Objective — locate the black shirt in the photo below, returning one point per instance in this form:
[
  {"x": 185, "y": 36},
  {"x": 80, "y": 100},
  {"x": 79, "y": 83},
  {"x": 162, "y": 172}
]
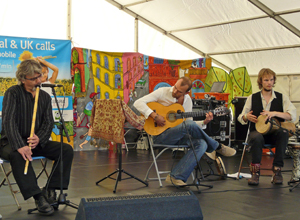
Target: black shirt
[{"x": 17, "y": 112}]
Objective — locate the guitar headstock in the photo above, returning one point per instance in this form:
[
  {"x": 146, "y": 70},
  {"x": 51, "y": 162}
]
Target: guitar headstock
[{"x": 222, "y": 110}]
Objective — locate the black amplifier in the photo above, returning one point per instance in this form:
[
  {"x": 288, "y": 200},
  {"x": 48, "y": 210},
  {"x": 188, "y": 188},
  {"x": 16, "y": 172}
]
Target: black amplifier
[{"x": 220, "y": 127}]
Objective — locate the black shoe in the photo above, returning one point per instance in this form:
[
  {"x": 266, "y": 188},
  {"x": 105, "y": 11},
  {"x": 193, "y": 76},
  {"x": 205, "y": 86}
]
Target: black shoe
[
  {"x": 43, "y": 206},
  {"x": 50, "y": 196}
]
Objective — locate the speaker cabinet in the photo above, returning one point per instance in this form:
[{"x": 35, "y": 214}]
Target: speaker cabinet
[
  {"x": 172, "y": 206},
  {"x": 220, "y": 129}
]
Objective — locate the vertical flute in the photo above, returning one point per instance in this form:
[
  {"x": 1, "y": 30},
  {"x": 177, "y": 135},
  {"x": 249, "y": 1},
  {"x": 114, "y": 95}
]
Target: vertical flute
[{"x": 33, "y": 122}]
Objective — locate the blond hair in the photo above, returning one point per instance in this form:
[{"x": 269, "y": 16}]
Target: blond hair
[{"x": 264, "y": 72}]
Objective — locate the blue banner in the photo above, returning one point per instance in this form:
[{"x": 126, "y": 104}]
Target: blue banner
[{"x": 57, "y": 53}]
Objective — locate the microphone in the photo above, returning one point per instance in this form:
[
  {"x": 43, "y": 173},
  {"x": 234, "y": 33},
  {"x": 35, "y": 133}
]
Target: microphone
[
  {"x": 267, "y": 121},
  {"x": 51, "y": 85}
]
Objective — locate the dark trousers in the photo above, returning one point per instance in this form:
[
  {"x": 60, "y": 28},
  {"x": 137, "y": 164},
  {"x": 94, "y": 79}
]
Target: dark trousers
[
  {"x": 257, "y": 141},
  {"x": 28, "y": 183}
]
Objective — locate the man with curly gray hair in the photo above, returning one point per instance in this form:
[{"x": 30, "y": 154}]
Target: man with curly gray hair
[{"x": 16, "y": 144}]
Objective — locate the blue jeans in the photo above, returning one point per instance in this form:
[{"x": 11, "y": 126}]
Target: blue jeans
[{"x": 179, "y": 136}]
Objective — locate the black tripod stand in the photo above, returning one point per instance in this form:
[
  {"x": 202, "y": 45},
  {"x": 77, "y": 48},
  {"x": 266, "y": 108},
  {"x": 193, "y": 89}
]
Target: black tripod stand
[
  {"x": 62, "y": 196},
  {"x": 119, "y": 171}
]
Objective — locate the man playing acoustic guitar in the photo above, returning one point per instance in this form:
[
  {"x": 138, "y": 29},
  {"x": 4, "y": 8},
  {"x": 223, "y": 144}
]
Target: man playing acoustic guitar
[
  {"x": 178, "y": 135},
  {"x": 271, "y": 104}
]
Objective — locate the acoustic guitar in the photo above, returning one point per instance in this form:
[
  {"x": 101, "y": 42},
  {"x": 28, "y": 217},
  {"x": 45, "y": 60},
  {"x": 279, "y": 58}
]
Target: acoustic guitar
[{"x": 174, "y": 115}]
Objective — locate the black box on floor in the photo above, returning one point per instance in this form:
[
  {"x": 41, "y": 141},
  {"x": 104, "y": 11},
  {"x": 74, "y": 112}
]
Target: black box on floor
[{"x": 167, "y": 206}]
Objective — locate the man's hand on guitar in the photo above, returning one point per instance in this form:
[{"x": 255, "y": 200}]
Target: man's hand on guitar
[
  {"x": 209, "y": 117},
  {"x": 160, "y": 121}
]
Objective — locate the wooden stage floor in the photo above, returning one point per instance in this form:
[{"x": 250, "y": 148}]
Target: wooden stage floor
[{"x": 228, "y": 199}]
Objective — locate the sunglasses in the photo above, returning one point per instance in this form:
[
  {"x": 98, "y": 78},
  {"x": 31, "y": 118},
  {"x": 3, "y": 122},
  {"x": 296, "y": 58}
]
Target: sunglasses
[{"x": 34, "y": 78}]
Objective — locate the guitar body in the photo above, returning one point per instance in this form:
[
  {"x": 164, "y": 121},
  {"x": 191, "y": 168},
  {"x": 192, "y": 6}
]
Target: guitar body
[{"x": 167, "y": 112}]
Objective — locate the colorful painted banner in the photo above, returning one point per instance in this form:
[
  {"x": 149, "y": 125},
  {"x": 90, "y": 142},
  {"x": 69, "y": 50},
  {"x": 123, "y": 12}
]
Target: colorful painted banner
[{"x": 126, "y": 76}]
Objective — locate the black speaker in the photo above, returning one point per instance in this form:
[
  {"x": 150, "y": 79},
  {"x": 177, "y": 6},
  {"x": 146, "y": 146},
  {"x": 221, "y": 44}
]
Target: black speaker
[{"x": 172, "y": 206}]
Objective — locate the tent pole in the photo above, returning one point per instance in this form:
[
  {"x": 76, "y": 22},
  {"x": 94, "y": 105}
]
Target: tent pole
[
  {"x": 136, "y": 35},
  {"x": 69, "y": 20}
]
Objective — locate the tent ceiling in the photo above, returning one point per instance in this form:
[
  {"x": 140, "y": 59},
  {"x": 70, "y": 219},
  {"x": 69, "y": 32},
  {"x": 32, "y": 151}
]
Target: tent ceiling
[{"x": 252, "y": 33}]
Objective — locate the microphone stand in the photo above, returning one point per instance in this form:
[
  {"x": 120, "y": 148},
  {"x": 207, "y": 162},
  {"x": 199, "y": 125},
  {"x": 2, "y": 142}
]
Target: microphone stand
[
  {"x": 62, "y": 127},
  {"x": 198, "y": 166}
]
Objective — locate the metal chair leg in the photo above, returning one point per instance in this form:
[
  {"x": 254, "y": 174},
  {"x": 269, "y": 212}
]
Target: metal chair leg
[
  {"x": 9, "y": 184},
  {"x": 13, "y": 192}
]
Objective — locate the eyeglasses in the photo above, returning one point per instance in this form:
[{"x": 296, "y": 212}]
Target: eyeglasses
[{"x": 34, "y": 78}]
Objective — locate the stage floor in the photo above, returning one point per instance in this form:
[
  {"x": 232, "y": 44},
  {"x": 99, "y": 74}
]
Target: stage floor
[{"x": 228, "y": 199}]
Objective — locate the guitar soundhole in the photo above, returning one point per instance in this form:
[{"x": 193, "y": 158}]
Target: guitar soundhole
[{"x": 171, "y": 116}]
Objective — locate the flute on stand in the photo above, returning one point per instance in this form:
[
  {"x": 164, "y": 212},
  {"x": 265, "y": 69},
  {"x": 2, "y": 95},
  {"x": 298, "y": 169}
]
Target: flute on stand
[{"x": 33, "y": 123}]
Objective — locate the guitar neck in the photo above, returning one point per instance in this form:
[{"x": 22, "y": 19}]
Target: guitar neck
[{"x": 193, "y": 114}]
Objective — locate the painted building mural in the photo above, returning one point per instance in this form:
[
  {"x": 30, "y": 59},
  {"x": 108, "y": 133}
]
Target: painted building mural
[{"x": 126, "y": 76}]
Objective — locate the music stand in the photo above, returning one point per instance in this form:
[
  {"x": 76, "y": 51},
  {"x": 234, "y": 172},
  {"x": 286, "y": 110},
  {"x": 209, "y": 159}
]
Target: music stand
[
  {"x": 104, "y": 107},
  {"x": 119, "y": 171}
]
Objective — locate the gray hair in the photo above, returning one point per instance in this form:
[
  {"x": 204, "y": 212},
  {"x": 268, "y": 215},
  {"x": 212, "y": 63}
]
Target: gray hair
[{"x": 28, "y": 68}]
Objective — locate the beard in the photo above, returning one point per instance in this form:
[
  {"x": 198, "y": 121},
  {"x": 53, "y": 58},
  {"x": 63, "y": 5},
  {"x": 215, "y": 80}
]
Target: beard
[{"x": 267, "y": 90}]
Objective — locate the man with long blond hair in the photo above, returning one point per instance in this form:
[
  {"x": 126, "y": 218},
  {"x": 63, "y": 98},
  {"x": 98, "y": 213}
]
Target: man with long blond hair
[{"x": 272, "y": 104}]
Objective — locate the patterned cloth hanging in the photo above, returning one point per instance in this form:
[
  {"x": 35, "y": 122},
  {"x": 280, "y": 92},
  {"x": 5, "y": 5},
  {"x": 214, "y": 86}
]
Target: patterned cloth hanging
[{"x": 108, "y": 118}]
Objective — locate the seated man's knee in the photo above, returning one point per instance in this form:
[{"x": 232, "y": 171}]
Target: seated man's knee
[
  {"x": 256, "y": 137},
  {"x": 202, "y": 144},
  {"x": 68, "y": 150},
  {"x": 15, "y": 155},
  {"x": 283, "y": 134},
  {"x": 190, "y": 123}
]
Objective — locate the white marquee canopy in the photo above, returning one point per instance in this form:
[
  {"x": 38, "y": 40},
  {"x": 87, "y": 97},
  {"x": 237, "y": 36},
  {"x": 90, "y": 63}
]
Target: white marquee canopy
[{"x": 233, "y": 33}]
